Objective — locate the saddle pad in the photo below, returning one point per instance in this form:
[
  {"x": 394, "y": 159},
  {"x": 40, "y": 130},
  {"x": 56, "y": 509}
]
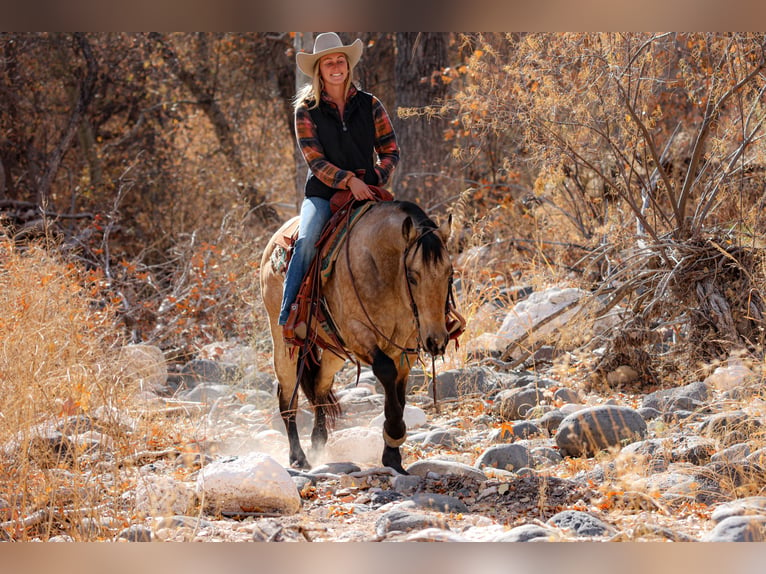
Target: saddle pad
[{"x": 332, "y": 246}]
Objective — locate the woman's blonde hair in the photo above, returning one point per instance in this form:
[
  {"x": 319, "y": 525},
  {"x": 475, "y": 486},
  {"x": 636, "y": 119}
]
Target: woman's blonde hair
[{"x": 312, "y": 91}]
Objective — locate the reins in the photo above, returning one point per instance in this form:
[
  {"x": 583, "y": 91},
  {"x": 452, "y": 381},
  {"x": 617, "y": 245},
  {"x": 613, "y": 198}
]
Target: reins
[{"x": 413, "y": 307}]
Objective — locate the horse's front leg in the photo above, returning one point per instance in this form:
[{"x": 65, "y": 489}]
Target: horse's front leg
[{"x": 394, "y": 428}]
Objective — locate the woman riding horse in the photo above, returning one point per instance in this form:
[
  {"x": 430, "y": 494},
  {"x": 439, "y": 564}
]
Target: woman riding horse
[
  {"x": 338, "y": 128},
  {"x": 389, "y": 290}
]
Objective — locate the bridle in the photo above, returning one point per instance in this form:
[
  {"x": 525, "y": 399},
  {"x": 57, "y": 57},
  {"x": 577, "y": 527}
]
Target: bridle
[{"x": 413, "y": 307}]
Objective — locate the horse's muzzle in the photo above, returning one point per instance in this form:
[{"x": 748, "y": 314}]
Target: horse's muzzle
[{"x": 436, "y": 345}]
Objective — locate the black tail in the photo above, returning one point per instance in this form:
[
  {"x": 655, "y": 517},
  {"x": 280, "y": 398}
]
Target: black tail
[{"x": 308, "y": 370}]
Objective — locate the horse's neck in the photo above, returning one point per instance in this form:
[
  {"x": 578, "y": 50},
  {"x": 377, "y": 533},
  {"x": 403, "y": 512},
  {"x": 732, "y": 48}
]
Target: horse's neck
[{"x": 381, "y": 248}]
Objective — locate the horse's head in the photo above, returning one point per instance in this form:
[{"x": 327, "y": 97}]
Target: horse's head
[{"x": 428, "y": 270}]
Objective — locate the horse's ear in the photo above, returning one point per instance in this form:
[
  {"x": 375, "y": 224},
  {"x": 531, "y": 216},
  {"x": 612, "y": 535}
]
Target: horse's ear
[
  {"x": 408, "y": 230},
  {"x": 445, "y": 229}
]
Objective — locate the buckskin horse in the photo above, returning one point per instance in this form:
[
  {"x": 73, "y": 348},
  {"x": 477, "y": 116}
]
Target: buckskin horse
[{"x": 387, "y": 296}]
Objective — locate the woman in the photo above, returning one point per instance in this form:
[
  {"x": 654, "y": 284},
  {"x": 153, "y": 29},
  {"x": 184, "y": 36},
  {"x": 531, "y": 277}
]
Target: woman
[{"x": 347, "y": 140}]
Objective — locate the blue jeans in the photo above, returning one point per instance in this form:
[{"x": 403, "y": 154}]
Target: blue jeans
[{"x": 315, "y": 213}]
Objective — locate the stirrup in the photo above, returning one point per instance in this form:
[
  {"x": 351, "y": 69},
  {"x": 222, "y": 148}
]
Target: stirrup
[{"x": 295, "y": 334}]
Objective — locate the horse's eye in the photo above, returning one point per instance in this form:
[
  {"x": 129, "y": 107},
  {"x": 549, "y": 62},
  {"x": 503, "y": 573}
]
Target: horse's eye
[{"x": 412, "y": 279}]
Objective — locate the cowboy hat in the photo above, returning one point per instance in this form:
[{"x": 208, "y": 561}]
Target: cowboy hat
[{"x": 328, "y": 43}]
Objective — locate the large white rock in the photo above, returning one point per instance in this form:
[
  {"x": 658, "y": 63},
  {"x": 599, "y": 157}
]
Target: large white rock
[
  {"x": 539, "y": 305},
  {"x": 361, "y": 445},
  {"x": 251, "y": 483},
  {"x": 414, "y": 417},
  {"x": 730, "y": 376},
  {"x": 527, "y": 314}
]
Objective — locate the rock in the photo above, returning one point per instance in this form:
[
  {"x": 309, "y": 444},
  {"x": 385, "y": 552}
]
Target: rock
[
  {"x": 740, "y": 507},
  {"x": 362, "y": 445},
  {"x": 402, "y": 521},
  {"x": 551, "y": 420},
  {"x": 445, "y": 467},
  {"x": 526, "y": 314},
  {"x": 688, "y": 398},
  {"x": 382, "y": 497},
  {"x": 414, "y": 417},
  {"x": 205, "y": 393},
  {"x": 406, "y": 483},
  {"x": 354, "y": 393},
  {"x": 730, "y": 427},
  {"x": 649, "y": 413},
  {"x": 243, "y": 356},
  {"x": 336, "y": 468},
  {"x": 250, "y": 483},
  {"x": 520, "y": 430},
  {"x": 566, "y": 395},
  {"x": 693, "y": 488},
  {"x": 527, "y": 533},
  {"x": 593, "y": 429},
  {"x": 738, "y": 452},
  {"x": 513, "y": 404},
  {"x": 135, "y": 533},
  {"x": 144, "y": 364},
  {"x": 739, "y": 529},
  {"x": 303, "y": 484},
  {"x": 506, "y": 457},
  {"x": 622, "y": 375},
  {"x": 160, "y": 495},
  {"x": 434, "y": 535},
  {"x": 271, "y": 530},
  {"x": 206, "y": 371},
  {"x": 730, "y": 376},
  {"x": 757, "y": 457},
  {"x": 694, "y": 449},
  {"x": 461, "y": 382},
  {"x": 442, "y": 437},
  {"x": 545, "y": 456},
  {"x": 580, "y": 523},
  {"x": 434, "y": 501},
  {"x": 654, "y": 454},
  {"x": 744, "y": 476}
]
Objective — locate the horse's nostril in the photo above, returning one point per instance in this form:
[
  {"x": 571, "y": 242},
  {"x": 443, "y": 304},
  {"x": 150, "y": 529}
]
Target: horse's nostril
[{"x": 435, "y": 346}]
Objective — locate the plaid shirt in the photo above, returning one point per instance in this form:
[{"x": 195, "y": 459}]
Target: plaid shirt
[{"x": 386, "y": 147}]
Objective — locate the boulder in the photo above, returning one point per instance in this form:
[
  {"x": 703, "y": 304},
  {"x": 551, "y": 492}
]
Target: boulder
[{"x": 590, "y": 430}]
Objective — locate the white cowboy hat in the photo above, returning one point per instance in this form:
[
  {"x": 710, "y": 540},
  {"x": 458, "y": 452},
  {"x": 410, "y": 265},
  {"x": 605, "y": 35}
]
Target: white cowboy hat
[{"x": 328, "y": 43}]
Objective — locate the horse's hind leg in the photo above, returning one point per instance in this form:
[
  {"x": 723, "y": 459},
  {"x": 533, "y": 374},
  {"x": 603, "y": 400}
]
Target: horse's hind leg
[
  {"x": 325, "y": 404},
  {"x": 394, "y": 428},
  {"x": 286, "y": 391}
]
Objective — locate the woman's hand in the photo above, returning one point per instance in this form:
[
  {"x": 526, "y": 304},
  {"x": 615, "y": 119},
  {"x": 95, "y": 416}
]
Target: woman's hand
[{"x": 359, "y": 189}]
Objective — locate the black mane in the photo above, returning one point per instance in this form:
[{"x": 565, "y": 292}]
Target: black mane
[{"x": 429, "y": 242}]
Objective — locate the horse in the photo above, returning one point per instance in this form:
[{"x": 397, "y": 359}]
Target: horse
[{"x": 386, "y": 297}]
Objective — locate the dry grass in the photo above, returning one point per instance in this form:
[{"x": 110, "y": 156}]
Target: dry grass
[{"x": 58, "y": 376}]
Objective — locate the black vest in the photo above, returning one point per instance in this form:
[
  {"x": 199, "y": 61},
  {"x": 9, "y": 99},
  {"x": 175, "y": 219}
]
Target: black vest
[{"x": 349, "y": 145}]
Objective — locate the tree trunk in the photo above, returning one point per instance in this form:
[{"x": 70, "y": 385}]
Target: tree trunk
[
  {"x": 85, "y": 95},
  {"x": 420, "y": 59}
]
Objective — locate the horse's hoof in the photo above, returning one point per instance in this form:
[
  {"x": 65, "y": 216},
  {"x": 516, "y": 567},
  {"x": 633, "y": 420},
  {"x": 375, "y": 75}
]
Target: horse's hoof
[
  {"x": 300, "y": 464},
  {"x": 392, "y": 458}
]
